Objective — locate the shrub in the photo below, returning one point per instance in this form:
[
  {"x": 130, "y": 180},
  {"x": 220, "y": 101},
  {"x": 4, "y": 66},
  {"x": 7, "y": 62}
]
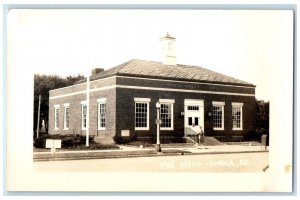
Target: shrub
[
  {"x": 67, "y": 141},
  {"x": 40, "y": 142},
  {"x": 96, "y": 146},
  {"x": 123, "y": 140},
  {"x": 255, "y": 135},
  {"x": 117, "y": 139}
]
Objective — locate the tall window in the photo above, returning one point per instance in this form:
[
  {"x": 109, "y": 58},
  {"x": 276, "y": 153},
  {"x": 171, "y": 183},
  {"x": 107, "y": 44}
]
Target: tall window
[
  {"x": 83, "y": 116},
  {"x": 142, "y": 113},
  {"x": 166, "y": 114},
  {"x": 237, "y": 116},
  {"x": 218, "y": 115},
  {"x": 101, "y": 113},
  {"x": 56, "y": 117},
  {"x": 66, "y": 117}
]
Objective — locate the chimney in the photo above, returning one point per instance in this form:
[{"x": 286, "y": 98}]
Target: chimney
[
  {"x": 168, "y": 49},
  {"x": 97, "y": 71}
]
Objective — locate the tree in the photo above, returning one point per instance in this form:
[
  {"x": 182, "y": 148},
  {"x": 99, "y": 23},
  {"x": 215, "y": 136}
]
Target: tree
[
  {"x": 262, "y": 116},
  {"x": 262, "y": 122},
  {"x": 42, "y": 85}
]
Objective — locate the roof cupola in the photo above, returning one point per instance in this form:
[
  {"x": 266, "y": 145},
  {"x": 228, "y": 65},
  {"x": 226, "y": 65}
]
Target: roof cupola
[{"x": 168, "y": 49}]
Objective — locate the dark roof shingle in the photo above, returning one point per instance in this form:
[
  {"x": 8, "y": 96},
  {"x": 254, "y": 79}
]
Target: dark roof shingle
[{"x": 142, "y": 68}]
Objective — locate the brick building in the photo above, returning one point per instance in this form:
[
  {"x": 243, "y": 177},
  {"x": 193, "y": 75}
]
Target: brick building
[{"x": 123, "y": 99}]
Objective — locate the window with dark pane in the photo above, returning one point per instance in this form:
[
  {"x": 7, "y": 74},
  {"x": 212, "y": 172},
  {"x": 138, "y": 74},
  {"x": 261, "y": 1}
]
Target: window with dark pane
[
  {"x": 67, "y": 117},
  {"x": 141, "y": 113},
  {"x": 101, "y": 113},
  {"x": 166, "y": 115},
  {"x": 196, "y": 121},
  {"x": 236, "y": 117},
  {"x": 56, "y": 113},
  {"x": 84, "y": 112},
  {"x": 217, "y": 117},
  {"x": 190, "y": 121},
  {"x": 193, "y": 107}
]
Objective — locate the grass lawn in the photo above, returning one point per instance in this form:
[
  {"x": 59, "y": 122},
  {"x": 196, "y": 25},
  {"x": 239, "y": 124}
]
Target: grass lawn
[
  {"x": 139, "y": 143},
  {"x": 70, "y": 142},
  {"x": 207, "y": 142},
  {"x": 92, "y": 146}
]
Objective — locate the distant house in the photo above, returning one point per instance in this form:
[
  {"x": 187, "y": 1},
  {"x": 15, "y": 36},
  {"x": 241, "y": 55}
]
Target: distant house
[{"x": 123, "y": 102}]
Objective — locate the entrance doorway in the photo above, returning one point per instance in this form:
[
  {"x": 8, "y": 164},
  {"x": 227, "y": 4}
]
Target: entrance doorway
[{"x": 193, "y": 116}]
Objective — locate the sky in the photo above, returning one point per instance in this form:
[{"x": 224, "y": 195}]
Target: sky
[{"x": 250, "y": 45}]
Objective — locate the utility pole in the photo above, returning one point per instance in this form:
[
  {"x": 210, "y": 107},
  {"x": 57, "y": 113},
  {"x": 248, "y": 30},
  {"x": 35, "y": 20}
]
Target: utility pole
[
  {"x": 88, "y": 73},
  {"x": 87, "y": 110},
  {"x": 38, "y": 119}
]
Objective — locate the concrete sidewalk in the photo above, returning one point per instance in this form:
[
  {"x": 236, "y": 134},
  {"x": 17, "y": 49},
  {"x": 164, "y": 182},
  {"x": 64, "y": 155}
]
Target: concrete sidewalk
[{"x": 126, "y": 151}]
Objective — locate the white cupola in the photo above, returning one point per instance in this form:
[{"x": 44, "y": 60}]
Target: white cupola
[{"x": 168, "y": 49}]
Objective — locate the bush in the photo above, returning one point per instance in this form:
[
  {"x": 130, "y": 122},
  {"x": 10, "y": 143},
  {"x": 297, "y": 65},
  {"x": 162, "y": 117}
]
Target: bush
[
  {"x": 117, "y": 139},
  {"x": 67, "y": 141},
  {"x": 255, "y": 135},
  {"x": 40, "y": 142},
  {"x": 95, "y": 146},
  {"x": 123, "y": 140}
]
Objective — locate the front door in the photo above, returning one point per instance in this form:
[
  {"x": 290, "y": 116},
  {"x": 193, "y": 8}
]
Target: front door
[{"x": 193, "y": 114}]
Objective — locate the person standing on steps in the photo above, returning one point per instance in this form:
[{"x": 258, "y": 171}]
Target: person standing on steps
[{"x": 201, "y": 135}]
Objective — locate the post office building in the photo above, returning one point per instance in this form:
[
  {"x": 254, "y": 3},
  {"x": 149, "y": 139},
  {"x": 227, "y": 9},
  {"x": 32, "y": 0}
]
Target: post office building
[{"x": 123, "y": 102}]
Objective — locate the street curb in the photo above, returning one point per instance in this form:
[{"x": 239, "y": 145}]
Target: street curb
[{"x": 111, "y": 155}]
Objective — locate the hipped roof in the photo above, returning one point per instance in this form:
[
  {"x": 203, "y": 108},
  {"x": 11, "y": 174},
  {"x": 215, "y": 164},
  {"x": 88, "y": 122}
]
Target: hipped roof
[{"x": 158, "y": 70}]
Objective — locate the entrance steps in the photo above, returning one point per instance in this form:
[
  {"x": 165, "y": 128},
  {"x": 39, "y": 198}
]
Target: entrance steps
[
  {"x": 190, "y": 140},
  {"x": 211, "y": 141},
  {"x": 192, "y": 134}
]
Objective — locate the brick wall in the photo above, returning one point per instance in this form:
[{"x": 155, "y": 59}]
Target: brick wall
[
  {"x": 120, "y": 106},
  {"x": 126, "y": 112},
  {"x": 75, "y": 113},
  {"x": 82, "y": 86}
]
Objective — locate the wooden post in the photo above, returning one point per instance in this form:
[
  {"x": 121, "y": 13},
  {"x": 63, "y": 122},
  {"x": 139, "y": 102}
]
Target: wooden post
[{"x": 38, "y": 119}]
